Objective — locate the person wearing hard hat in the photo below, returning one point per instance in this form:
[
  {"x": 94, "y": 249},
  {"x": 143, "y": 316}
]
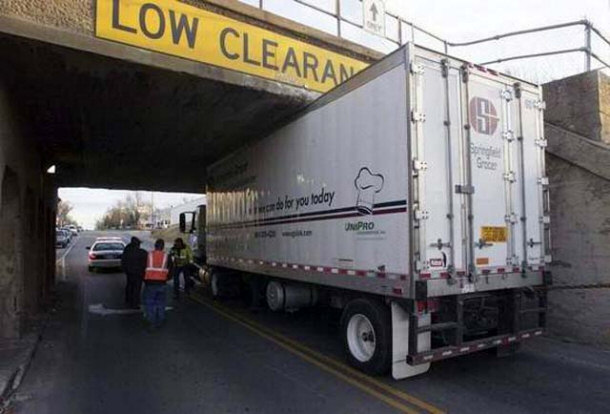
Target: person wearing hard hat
[{"x": 158, "y": 271}]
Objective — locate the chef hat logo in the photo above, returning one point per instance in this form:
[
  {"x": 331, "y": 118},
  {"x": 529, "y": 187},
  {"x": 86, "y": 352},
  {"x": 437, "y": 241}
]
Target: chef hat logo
[{"x": 367, "y": 184}]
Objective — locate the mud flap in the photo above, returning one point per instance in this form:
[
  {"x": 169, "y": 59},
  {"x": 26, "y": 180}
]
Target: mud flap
[{"x": 400, "y": 344}]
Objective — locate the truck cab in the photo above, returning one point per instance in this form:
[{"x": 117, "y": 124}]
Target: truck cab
[{"x": 193, "y": 224}]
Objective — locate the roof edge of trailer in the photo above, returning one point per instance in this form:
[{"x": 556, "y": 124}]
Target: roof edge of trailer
[
  {"x": 361, "y": 78},
  {"x": 384, "y": 65}
]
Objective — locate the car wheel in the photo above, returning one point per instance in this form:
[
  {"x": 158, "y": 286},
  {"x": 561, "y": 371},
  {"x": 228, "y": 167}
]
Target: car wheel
[{"x": 367, "y": 336}]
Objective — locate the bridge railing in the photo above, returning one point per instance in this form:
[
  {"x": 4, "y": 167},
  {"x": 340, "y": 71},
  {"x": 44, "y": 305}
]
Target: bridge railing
[{"x": 543, "y": 53}]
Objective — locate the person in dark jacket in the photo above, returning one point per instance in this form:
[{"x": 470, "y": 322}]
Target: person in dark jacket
[{"x": 133, "y": 263}]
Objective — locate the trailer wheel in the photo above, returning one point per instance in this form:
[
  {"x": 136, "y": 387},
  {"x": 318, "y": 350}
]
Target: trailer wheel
[{"x": 366, "y": 330}]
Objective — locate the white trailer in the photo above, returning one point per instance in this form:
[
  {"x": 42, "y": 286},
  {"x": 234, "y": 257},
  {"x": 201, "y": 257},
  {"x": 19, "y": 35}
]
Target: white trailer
[{"x": 413, "y": 196}]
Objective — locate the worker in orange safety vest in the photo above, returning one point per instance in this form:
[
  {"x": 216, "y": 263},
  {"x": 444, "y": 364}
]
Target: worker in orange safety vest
[{"x": 158, "y": 271}]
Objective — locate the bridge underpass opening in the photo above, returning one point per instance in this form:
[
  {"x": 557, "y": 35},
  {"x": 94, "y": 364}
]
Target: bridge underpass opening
[
  {"x": 109, "y": 123},
  {"x": 114, "y": 124}
]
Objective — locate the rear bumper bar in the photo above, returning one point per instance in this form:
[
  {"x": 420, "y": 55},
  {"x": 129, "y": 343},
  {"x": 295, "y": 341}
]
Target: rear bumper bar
[{"x": 472, "y": 346}]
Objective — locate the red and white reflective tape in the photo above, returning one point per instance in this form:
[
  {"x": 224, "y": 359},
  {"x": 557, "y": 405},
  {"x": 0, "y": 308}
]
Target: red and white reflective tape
[
  {"x": 484, "y": 271},
  {"x": 446, "y": 353},
  {"x": 483, "y": 69},
  {"x": 319, "y": 269}
]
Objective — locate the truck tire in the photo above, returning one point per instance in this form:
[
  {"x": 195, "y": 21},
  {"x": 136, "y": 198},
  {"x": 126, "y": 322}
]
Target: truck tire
[
  {"x": 224, "y": 284},
  {"x": 215, "y": 285},
  {"x": 367, "y": 336}
]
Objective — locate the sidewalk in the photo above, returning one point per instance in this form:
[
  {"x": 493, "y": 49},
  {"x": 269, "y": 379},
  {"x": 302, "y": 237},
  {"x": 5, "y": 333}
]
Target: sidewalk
[{"x": 15, "y": 357}]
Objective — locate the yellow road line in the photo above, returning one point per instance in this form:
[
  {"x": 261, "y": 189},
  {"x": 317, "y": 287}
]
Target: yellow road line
[
  {"x": 340, "y": 365},
  {"x": 395, "y": 404},
  {"x": 309, "y": 354},
  {"x": 353, "y": 372}
]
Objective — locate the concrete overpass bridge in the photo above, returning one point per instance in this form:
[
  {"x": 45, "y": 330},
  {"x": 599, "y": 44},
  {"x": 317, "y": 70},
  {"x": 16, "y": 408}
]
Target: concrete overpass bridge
[
  {"x": 136, "y": 94},
  {"x": 145, "y": 94}
]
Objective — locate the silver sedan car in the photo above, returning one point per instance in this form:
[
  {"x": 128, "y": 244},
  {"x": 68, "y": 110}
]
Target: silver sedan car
[{"x": 105, "y": 254}]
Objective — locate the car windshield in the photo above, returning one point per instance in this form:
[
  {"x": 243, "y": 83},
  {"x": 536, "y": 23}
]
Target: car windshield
[{"x": 107, "y": 246}]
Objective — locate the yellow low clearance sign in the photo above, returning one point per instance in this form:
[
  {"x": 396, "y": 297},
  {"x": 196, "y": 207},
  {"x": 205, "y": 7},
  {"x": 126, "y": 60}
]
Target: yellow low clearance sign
[{"x": 171, "y": 27}]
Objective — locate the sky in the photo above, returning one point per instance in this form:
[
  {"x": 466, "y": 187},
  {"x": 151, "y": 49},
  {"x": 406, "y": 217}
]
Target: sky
[
  {"x": 90, "y": 204},
  {"x": 450, "y": 19}
]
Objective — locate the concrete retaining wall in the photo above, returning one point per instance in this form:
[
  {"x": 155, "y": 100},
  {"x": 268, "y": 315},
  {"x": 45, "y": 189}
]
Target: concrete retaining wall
[
  {"x": 580, "y": 228},
  {"x": 578, "y": 167},
  {"x": 27, "y": 200}
]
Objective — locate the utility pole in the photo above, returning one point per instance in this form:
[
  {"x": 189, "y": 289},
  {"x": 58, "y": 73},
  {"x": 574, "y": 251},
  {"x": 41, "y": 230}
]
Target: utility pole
[{"x": 152, "y": 209}]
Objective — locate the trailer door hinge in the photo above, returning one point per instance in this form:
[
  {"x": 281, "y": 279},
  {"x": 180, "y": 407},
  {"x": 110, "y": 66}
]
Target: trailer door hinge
[
  {"x": 542, "y": 143},
  {"x": 420, "y": 165},
  {"x": 445, "y": 68},
  {"x": 545, "y": 220},
  {"x": 541, "y": 105},
  {"x": 543, "y": 180},
  {"x": 421, "y": 214},
  {"x": 464, "y": 189},
  {"x": 510, "y": 177},
  {"x": 507, "y": 95},
  {"x": 517, "y": 87},
  {"x": 418, "y": 116},
  {"x": 511, "y": 218},
  {"x": 416, "y": 68},
  {"x": 465, "y": 73},
  {"x": 508, "y": 135}
]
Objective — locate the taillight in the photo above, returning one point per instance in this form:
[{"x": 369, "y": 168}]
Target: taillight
[
  {"x": 430, "y": 305},
  {"x": 433, "y": 305}
]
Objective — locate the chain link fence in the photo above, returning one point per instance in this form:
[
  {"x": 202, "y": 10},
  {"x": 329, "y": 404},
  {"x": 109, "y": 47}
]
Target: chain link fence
[{"x": 538, "y": 55}]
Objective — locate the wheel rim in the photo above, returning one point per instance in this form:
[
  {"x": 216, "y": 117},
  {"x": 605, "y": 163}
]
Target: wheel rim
[
  {"x": 214, "y": 284},
  {"x": 361, "y": 338}
]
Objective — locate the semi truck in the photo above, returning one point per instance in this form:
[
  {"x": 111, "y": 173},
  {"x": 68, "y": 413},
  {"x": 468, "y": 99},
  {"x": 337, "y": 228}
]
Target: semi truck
[{"x": 413, "y": 197}]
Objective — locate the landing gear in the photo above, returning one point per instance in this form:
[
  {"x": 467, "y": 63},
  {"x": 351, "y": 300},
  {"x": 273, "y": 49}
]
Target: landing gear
[{"x": 367, "y": 336}]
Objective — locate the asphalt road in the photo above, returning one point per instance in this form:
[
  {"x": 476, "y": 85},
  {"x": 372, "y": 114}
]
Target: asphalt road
[{"x": 224, "y": 358}]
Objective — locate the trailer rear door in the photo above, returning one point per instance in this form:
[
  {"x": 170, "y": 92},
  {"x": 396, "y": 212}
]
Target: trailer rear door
[
  {"x": 437, "y": 151},
  {"x": 490, "y": 138},
  {"x": 506, "y": 185}
]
